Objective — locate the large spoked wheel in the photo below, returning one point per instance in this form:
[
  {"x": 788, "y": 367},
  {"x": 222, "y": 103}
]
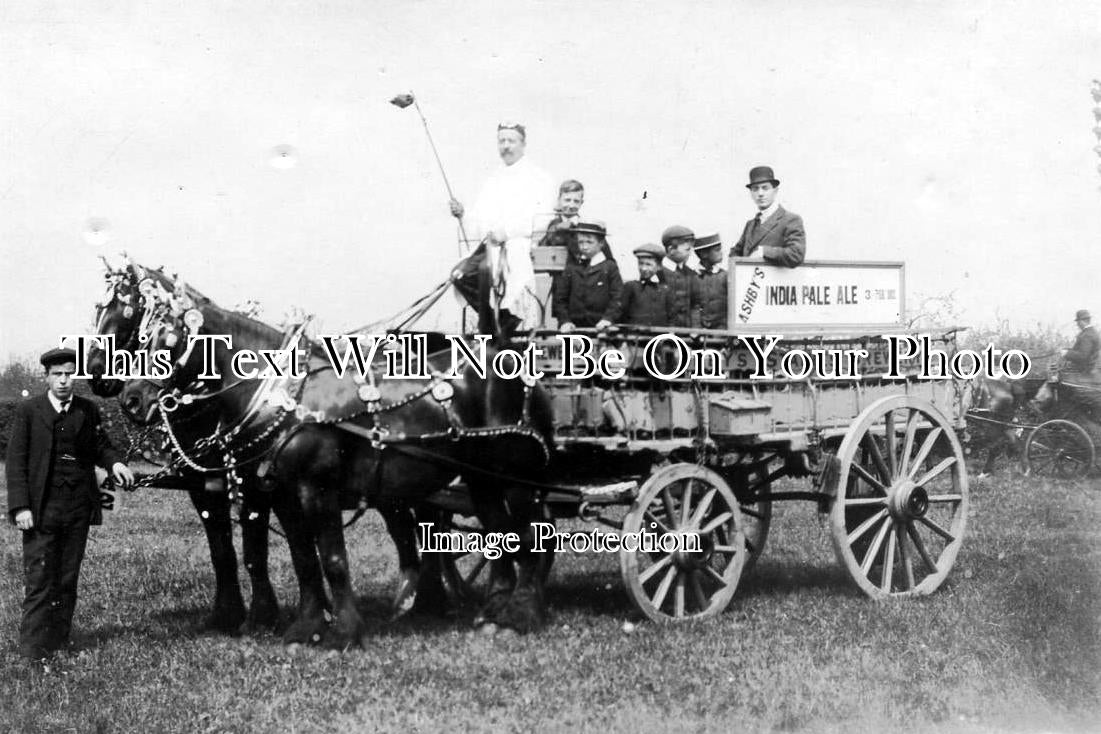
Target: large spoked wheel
[
  {"x": 669, "y": 579},
  {"x": 466, "y": 575},
  {"x": 1059, "y": 449},
  {"x": 900, "y": 510}
]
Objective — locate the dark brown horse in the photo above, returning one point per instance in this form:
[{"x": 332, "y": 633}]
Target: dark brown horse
[
  {"x": 332, "y": 442},
  {"x": 120, "y": 314}
]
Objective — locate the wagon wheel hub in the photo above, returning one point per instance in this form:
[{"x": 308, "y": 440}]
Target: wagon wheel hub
[
  {"x": 693, "y": 560},
  {"x": 907, "y": 501}
]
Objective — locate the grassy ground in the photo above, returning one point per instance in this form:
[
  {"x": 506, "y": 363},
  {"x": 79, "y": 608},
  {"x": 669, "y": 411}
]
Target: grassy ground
[{"x": 1010, "y": 643}]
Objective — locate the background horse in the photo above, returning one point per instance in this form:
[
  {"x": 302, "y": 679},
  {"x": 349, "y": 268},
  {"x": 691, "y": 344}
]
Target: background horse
[
  {"x": 120, "y": 315},
  {"x": 384, "y": 441}
]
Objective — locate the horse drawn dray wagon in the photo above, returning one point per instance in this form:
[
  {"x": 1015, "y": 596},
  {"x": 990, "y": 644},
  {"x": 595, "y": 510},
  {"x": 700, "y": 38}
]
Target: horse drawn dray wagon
[
  {"x": 669, "y": 450},
  {"x": 679, "y": 451}
]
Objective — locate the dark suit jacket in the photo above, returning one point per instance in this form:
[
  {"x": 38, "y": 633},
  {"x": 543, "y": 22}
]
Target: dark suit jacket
[
  {"x": 586, "y": 294},
  {"x": 1083, "y": 355},
  {"x": 781, "y": 239},
  {"x": 30, "y": 453}
]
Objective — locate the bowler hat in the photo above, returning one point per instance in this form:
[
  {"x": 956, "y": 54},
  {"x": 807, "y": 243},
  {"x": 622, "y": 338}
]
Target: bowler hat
[
  {"x": 592, "y": 226},
  {"x": 57, "y": 356},
  {"x": 1082, "y": 315},
  {"x": 708, "y": 240},
  {"x": 650, "y": 249},
  {"x": 676, "y": 232},
  {"x": 762, "y": 174}
]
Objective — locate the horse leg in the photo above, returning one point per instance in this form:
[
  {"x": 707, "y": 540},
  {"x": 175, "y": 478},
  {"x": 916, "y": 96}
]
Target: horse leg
[
  {"x": 323, "y": 515},
  {"x": 255, "y": 515},
  {"x": 525, "y": 611},
  {"x": 492, "y": 513},
  {"x": 214, "y": 512},
  {"x": 309, "y": 626},
  {"x": 400, "y": 525}
]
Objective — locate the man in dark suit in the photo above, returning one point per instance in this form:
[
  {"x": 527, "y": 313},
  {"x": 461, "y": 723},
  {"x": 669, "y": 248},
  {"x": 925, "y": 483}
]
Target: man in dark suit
[
  {"x": 56, "y": 441},
  {"x": 1082, "y": 357},
  {"x": 776, "y": 232}
]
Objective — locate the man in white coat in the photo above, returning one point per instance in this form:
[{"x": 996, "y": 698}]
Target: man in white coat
[{"x": 498, "y": 278}]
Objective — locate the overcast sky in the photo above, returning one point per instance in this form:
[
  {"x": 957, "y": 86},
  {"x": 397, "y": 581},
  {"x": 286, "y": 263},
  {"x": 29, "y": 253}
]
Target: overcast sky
[{"x": 956, "y": 136}]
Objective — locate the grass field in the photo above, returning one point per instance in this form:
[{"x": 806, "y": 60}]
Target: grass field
[{"x": 1010, "y": 643}]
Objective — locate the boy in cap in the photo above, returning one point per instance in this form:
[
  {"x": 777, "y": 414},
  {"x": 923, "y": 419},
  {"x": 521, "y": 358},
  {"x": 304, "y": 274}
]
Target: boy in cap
[
  {"x": 712, "y": 285},
  {"x": 775, "y": 233},
  {"x": 680, "y": 278},
  {"x": 591, "y": 293},
  {"x": 647, "y": 301},
  {"x": 56, "y": 441}
]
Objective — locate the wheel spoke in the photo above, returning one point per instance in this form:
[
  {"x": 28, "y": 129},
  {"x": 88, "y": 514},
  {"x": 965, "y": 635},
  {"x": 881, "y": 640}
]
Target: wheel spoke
[
  {"x": 866, "y": 525},
  {"x": 663, "y": 588},
  {"x": 704, "y": 506},
  {"x": 920, "y": 545},
  {"x": 653, "y": 518},
  {"x": 873, "y": 551},
  {"x": 670, "y": 507},
  {"x": 865, "y": 501},
  {"x": 653, "y": 570},
  {"x": 729, "y": 550},
  {"x": 867, "y": 477},
  {"x": 946, "y": 498},
  {"x": 892, "y": 459},
  {"x": 686, "y": 504},
  {"x": 715, "y": 575},
  {"x": 935, "y": 471},
  {"x": 908, "y": 443},
  {"x": 697, "y": 590},
  {"x": 937, "y": 529},
  {"x": 926, "y": 447},
  {"x": 904, "y": 553},
  {"x": 889, "y": 562},
  {"x": 877, "y": 457},
  {"x": 716, "y": 522},
  {"x": 678, "y": 597}
]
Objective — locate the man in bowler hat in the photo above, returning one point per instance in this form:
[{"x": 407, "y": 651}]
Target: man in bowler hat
[
  {"x": 775, "y": 233},
  {"x": 57, "y": 440},
  {"x": 1082, "y": 357}
]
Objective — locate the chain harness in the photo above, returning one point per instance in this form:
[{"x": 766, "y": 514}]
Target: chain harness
[{"x": 162, "y": 307}]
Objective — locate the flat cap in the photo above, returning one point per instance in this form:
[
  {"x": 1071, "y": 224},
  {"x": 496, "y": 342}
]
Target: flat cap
[
  {"x": 650, "y": 249},
  {"x": 57, "y": 356},
  {"x": 676, "y": 232},
  {"x": 708, "y": 240},
  {"x": 592, "y": 226},
  {"x": 1082, "y": 315}
]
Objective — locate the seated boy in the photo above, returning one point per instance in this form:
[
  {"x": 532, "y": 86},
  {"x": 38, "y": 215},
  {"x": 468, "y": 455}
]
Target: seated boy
[
  {"x": 590, "y": 293},
  {"x": 647, "y": 301}
]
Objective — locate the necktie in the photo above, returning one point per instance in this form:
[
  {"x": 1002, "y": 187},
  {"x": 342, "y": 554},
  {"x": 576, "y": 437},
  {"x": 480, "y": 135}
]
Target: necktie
[
  {"x": 65, "y": 407},
  {"x": 756, "y": 224}
]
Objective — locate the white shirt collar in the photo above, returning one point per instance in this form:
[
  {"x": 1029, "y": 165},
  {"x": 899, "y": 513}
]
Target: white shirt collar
[
  {"x": 653, "y": 279},
  {"x": 766, "y": 213},
  {"x": 596, "y": 259},
  {"x": 55, "y": 402},
  {"x": 670, "y": 265}
]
